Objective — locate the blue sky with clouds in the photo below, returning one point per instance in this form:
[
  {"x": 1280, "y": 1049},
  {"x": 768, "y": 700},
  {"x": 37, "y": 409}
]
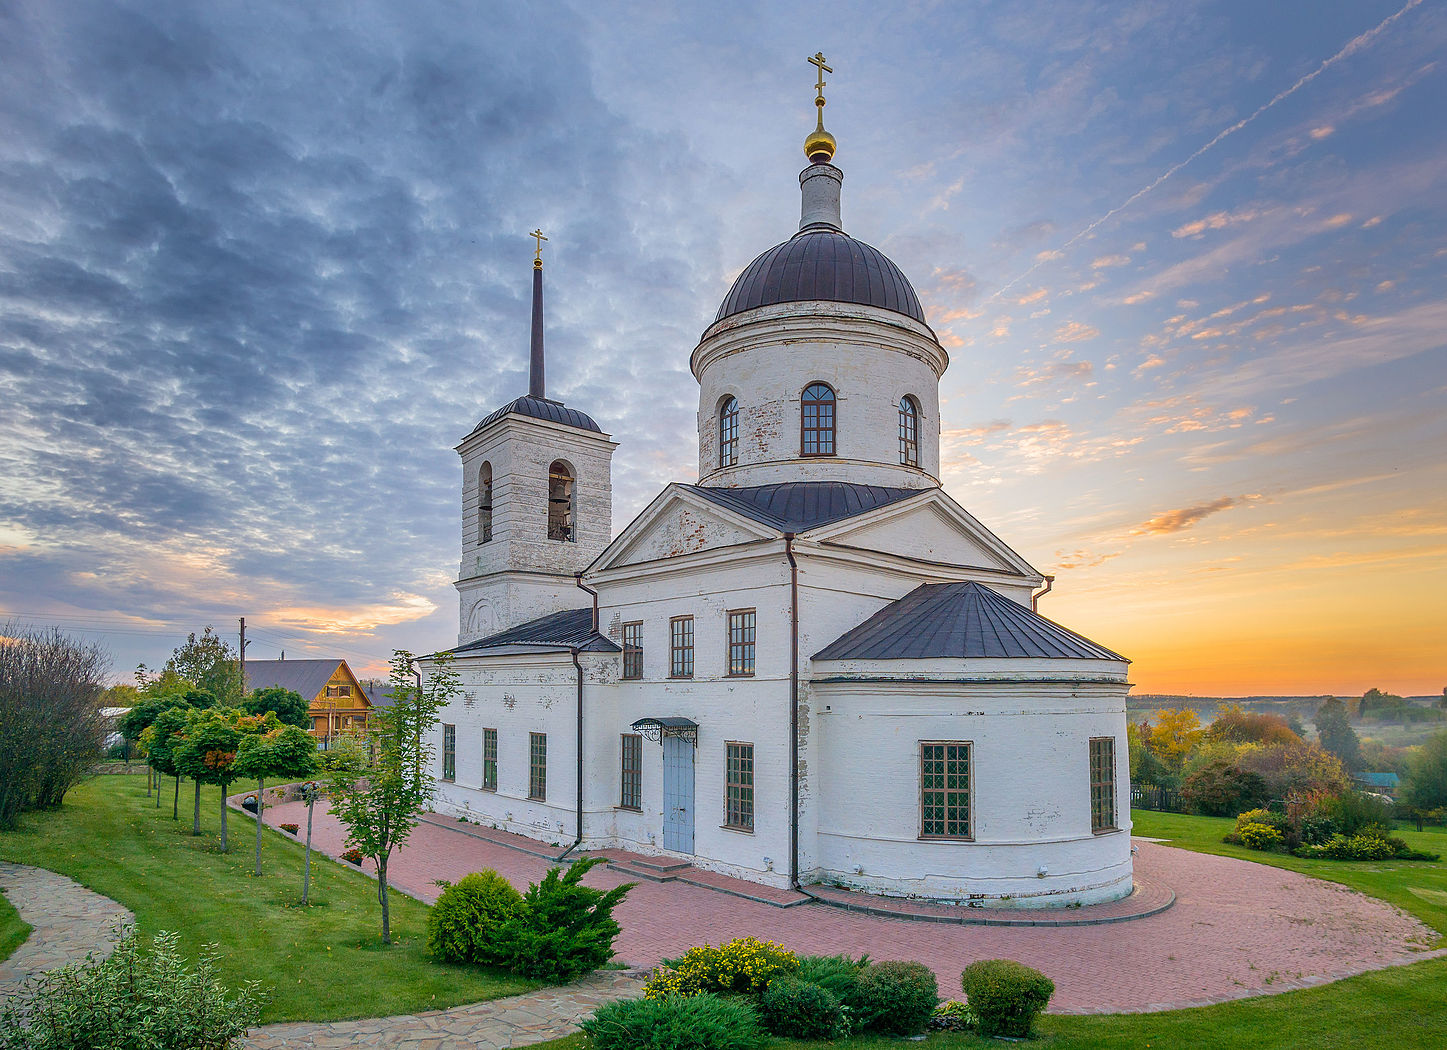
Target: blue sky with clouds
[{"x": 262, "y": 265}]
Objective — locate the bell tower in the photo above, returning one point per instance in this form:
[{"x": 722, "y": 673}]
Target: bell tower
[{"x": 537, "y": 502}]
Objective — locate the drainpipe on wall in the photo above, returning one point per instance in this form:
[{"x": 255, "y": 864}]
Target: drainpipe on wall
[
  {"x": 578, "y": 667},
  {"x": 1035, "y": 598},
  {"x": 578, "y": 579},
  {"x": 793, "y": 710}
]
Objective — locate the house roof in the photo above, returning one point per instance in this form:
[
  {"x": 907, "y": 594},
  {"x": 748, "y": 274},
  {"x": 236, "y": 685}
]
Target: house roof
[
  {"x": 1384, "y": 780},
  {"x": 567, "y": 629},
  {"x": 796, "y": 506},
  {"x": 307, "y": 677},
  {"x": 961, "y": 621}
]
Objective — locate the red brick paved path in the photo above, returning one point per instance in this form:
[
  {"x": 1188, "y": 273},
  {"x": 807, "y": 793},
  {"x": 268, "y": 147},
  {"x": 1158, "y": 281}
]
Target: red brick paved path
[{"x": 1237, "y": 929}]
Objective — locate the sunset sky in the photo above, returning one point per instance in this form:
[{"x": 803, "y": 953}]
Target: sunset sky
[{"x": 262, "y": 265}]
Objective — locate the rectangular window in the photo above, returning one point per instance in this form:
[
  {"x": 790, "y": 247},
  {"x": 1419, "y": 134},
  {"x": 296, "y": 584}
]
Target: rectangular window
[
  {"x": 680, "y": 633},
  {"x": 538, "y": 766},
  {"x": 632, "y": 650},
  {"x": 944, "y": 789},
  {"x": 742, "y": 629},
  {"x": 489, "y": 759},
  {"x": 631, "y": 796},
  {"x": 739, "y": 789},
  {"x": 1102, "y": 783},
  {"x": 449, "y": 752}
]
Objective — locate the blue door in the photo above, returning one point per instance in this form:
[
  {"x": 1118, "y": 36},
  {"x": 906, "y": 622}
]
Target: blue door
[{"x": 678, "y": 794}]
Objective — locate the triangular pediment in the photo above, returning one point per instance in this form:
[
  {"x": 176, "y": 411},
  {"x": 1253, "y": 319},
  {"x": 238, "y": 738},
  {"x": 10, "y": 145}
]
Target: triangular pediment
[
  {"x": 676, "y": 524},
  {"x": 932, "y": 528}
]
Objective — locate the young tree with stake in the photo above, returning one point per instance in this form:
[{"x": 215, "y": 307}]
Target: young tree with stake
[{"x": 379, "y": 803}]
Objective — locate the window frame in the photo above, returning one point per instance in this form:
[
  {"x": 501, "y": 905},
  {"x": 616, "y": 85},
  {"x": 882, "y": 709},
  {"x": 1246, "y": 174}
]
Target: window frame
[
  {"x": 945, "y": 791},
  {"x": 909, "y": 431},
  {"x": 819, "y": 430},
  {"x": 677, "y": 648},
  {"x": 1107, "y": 784},
  {"x": 632, "y": 652},
  {"x": 489, "y": 761},
  {"x": 735, "y": 763},
  {"x": 737, "y": 645},
  {"x": 630, "y": 774},
  {"x": 449, "y": 752},
  {"x": 728, "y": 432},
  {"x": 538, "y": 767}
]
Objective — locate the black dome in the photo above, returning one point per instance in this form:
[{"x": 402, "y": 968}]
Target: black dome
[
  {"x": 542, "y": 408},
  {"x": 826, "y": 264}
]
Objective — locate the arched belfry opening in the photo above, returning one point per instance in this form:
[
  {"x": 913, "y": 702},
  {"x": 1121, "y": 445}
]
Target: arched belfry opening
[
  {"x": 562, "y": 502},
  {"x": 484, "y": 503}
]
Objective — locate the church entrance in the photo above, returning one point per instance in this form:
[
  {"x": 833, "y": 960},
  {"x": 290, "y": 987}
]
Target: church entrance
[{"x": 678, "y": 794}]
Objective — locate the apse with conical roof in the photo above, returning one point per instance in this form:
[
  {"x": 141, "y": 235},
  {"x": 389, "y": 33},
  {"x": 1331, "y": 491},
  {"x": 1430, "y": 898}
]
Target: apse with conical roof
[{"x": 819, "y": 365}]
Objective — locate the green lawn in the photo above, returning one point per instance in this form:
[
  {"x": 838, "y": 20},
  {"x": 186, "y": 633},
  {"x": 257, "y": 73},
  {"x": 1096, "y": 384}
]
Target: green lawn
[
  {"x": 1403, "y": 1008},
  {"x": 13, "y": 929},
  {"x": 324, "y": 962}
]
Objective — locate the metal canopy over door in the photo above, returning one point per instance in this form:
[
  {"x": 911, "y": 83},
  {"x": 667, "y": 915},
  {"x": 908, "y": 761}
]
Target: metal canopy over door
[{"x": 678, "y": 794}]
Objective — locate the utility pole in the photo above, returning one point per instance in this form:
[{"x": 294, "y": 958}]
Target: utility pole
[{"x": 243, "y": 656}]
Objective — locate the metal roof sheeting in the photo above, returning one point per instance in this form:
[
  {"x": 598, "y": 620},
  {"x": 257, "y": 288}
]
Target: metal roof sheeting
[
  {"x": 824, "y": 264},
  {"x": 795, "y": 506},
  {"x": 960, "y": 621},
  {"x": 307, "y": 677},
  {"x": 542, "y": 408},
  {"x": 567, "y": 629}
]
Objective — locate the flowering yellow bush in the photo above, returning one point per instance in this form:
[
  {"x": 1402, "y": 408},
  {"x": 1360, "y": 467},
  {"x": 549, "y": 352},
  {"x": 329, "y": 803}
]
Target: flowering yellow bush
[{"x": 744, "y": 966}]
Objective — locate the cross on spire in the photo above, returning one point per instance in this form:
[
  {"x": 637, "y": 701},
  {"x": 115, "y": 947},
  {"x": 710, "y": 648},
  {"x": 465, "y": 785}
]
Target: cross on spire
[
  {"x": 538, "y": 252},
  {"x": 818, "y": 60}
]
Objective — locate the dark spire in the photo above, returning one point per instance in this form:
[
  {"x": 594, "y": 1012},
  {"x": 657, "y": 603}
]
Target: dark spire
[{"x": 536, "y": 385}]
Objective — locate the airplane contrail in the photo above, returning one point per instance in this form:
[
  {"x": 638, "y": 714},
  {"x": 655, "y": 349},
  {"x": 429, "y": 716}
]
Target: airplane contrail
[{"x": 1352, "y": 46}]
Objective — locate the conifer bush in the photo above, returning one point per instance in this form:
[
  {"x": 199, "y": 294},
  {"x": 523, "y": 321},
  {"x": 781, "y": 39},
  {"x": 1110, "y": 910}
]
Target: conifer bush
[
  {"x": 838, "y": 974},
  {"x": 562, "y": 929},
  {"x": 467, "y": 922},
  {"x": 675, "y": 1022},
  {"x": 1006, "y": 996},
  {"x": 798, "y": 1009}
]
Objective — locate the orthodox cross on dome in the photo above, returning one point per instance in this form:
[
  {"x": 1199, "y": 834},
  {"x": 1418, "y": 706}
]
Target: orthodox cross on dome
[
  {"x": 820, "y": 145},
  {"x": 538, "y": 252}
]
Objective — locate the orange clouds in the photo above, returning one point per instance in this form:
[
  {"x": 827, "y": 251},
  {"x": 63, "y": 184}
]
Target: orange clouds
[{"x": 1185, "y": 517}]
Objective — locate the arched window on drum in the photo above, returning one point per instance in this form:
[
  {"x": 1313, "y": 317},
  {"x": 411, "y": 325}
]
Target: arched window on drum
[
  {"x": 816, "y": 420},
  {"x": 909, "y": 431},
  {"x": 562, "y": 503},
  {"x": 728, "y": 432}
]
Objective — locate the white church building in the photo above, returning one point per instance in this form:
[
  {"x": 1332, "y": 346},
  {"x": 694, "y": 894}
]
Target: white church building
[{"x": 811, "y": 664}]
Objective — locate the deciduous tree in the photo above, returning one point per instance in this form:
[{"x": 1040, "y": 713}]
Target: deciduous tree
[
  {"x": 1175, "y": 733},
  {"x": 288, "y": 706},
  {"x": 379, "y": 803},
  {"x": 1334, "y": 730},
  {"x": 285, "y": 751},
  {"x": 1427, "y": 780},
  {"x": 209, "y": 663},
  {"x": 207, "y": 755}
]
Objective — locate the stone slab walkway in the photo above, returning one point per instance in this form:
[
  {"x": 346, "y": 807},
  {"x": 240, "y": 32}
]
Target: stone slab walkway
[
  {"x": 521, "y": 1020},
  {"x": 1237, "y": 929},
  {"x": 70, "y": 922}
]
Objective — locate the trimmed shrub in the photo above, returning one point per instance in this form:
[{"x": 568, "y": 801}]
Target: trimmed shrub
[
  {"x": 465, "y": 924},
  {"x": 953, "y": 1016},
  {"x": 1006, "y": 996},
  {"x": 1316, "y": 829},
  {"x": 563, "y": 929},
  {"x": 798, "y": 1009},
  {"x": 897, "y": 998},
  {"x": 836, "y": 973},
  {"x": 741, "y": 967},
  {"x": 1260, "y": 836},
  {"x": 675, "y": 1022},
  {"x": 155, "y": 1001}
]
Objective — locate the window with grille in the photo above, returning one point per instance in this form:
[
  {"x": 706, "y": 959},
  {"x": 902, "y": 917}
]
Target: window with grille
[
  {"x": 944, "y": 789},
  {"x": 449, "y": 752},
  {"x": 484, "y": 503},
  {"x": 561, "y": 502},
  {"x": 680, "y": 634},
  {"x": 817, "y": 420},
  {"x": 633, "y": 650},
  {"x": 908, "y": 431},
  {"x": 742, "y": 629},
  {"x": 489, "y": 759},
  {"x": 1102, "y": 783},
  {"x": 631, "y": 770},
  {"x": 538, "y": 766},
  {"x": 739, "y": 787},
  {"x": 728, "y": 433}
]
